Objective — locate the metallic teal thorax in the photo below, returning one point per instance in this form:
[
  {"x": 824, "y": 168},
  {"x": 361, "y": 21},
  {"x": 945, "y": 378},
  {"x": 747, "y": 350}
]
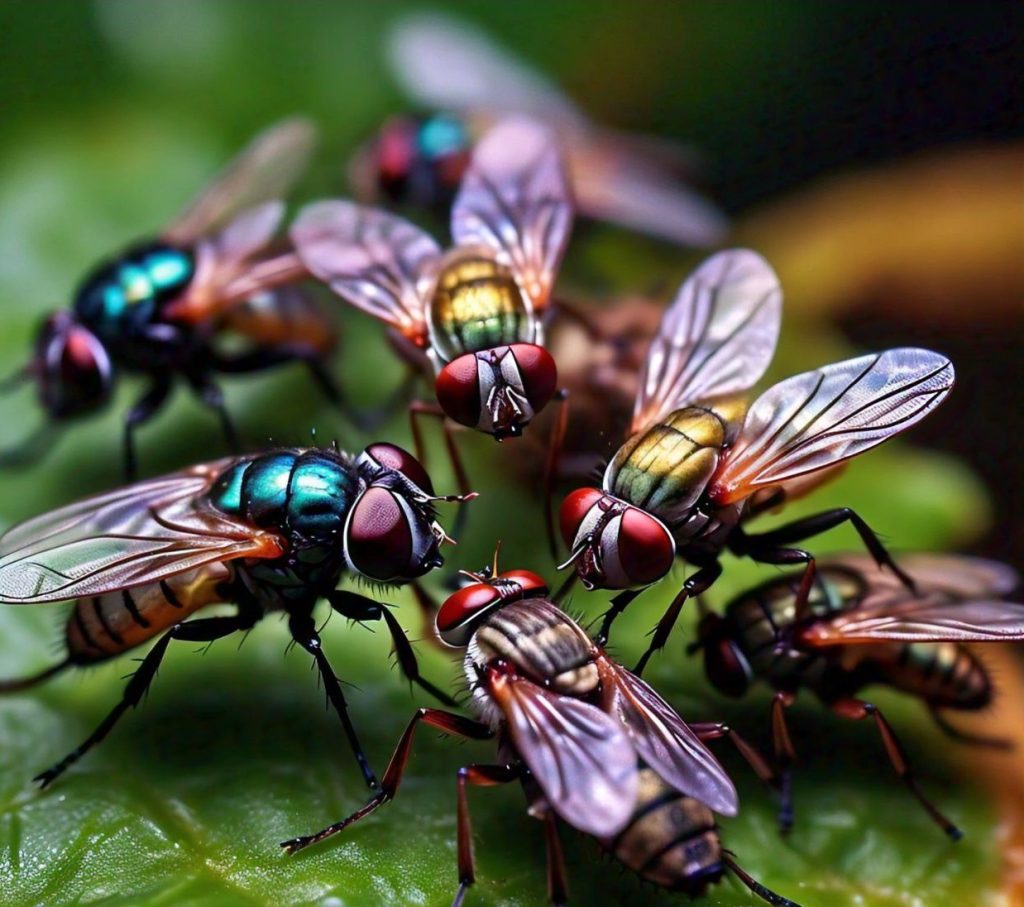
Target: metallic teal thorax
[
  {"x": 120, "y": 297},
  {"x": 305, "y": 495}
]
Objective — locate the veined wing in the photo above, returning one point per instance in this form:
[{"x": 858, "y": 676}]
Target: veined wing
[
  {"x": 953, "y": 574},
  {"x": 716, "y": 338},
  {"x": 815, "y": 420},
  {"x": 515, "y": 198},
  {"x": 664, "y": 741},
  {"x": 140, "y": 533},
  {"x": 443, "y": 63},
  {"x": 580, "y": 757},
  {"x": 376, "y": 261},
  {"x": 264, "y": 171},
  {"x": 931, "y": 618}
]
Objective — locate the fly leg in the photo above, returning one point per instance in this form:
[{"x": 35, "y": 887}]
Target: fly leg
[
  {"x": 857, "y": 710},
  {"x": 206, "y": 629},
  {"x": 619, "y": 604},
  {"x": 428, "y": 608},
  {"x": 399, "y": 399},
  {"x": 212, "y": 397},
  {"x": 558, "y": 884},
  {"x": 144, "y": 409},
  {"x": 551, "y": 462},
  {"x": 443, "y": 721},
  {"x": 700, "y": 582},
  {"x": 954, "y": 733},
  {"x": 417, "y": 410},
  {"x": 716, "y": 730},
  {"x": 359, "y": 608},
  {"x": 26, "y": 683},
  {"x": 777, "y": 539},
  {"x": 482, "y": 776},
  {"x": 785, "y": 756},
  {"x": 303, "y": 631}
]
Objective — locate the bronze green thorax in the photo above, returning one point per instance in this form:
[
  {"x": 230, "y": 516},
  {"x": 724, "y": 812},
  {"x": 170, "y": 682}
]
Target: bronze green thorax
[
  {"x": 666, "y": 468},
  {"x": 477, "y": 305}
]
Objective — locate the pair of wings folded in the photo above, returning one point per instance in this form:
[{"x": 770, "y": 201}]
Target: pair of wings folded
[
  {"x": 514, "y": 202},
  {"x": 237, "y": 216},
  {"x": 134, "y": 535},
  {"x": 957, "y": 599},
  {"x": 586, "y": 758},
  {"x": 717, "y": 339},
  {"x": 630, "y": 180}
]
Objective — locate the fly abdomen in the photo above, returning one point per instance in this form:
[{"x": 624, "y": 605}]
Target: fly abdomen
[
  {"x": 945, "y": 675},
  {"x": 106, "y": 625},
  {"x": 671, "y": 840}
]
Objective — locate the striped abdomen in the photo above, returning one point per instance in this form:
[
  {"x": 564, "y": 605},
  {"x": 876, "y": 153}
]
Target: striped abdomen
[
  {"x": 106, "y": 625},
  {"x": 666, "y": 469},
  {"x": 541, "y": 641},
  {"x": 283, "y": 317},
  {"x": 944, "y": 674},
  {"x": 477, "y": 305},
  {"x": 671, "y": 840}
]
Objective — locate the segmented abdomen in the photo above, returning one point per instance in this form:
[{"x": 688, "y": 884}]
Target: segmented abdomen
[
  {"x": 671, "y": 840},
  {"x": 944, "y": 674},
  {"x": 283, "y": 317},
  {"x": 106, "y": 625}
]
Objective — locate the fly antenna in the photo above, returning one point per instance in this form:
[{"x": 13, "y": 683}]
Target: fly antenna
[{"x": 576, "y": 554}]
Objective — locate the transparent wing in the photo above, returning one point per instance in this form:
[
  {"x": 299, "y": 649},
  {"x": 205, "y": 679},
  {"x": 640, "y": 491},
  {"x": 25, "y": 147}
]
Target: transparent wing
[
  {"x": 443, "y": 63},
  {"x": 580, "y": 757},
  {"x": 264, "y": 171},
  {"x": 815, "y": 420},
  {"x": 137, "y": 534},
  {"x": 932, "y": 618},
  {"x": 515, "y": 199},
  {"x": 664, "y": 741},
  {"x": 376, "y": 261},
  {"x": 954, "y": 574},
  {"x": 618, "y": 185},
  {"x": 717, "y": 337}
]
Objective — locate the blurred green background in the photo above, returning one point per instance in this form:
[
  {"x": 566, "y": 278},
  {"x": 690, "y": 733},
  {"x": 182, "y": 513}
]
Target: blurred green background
[{"x": 114, "y": 115}]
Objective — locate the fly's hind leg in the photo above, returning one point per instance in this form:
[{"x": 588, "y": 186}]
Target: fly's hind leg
[
  {"x": 144, "y": 409},
  {"x": 206, "y": 629}
]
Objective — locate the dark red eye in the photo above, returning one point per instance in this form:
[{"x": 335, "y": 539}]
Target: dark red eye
[
  {"x": 393, "y": 457},
  {"x": 530, "y": 583},
  {"x": 644, "y": 547},
  {"x": 575, "y": 507},
  {"x": 387, "y": 539},
  {"x": 455, "y": 618},
  {"x": 538, "y": 373},
  {"x": 726, "y": 667},
  {"x": 74, "y": 368},
  {"x": 458, "y": 390}
]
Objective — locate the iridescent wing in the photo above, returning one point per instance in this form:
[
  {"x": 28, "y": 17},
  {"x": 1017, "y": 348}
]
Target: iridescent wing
[
  {"x": 953, "y": 574},
  {"x": 376, "y": 261},
  {"x": 929, "y": 618},
  {"x": 664, "y": 741},
  {"x": 580, "y": 757},
  {"x": 515, "y": 199},
  {"x": 716, "y": 338},
  {"x": 613, "y": 182},
  {"x": 815, "y": 420},
  {"x": 140, "y": 533},
  {"x": 264, "y": 171},
  {"x": 443, "y": 63}
]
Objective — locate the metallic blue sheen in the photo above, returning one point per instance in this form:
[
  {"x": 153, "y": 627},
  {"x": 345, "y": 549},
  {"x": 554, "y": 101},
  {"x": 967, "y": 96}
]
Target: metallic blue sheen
[
  {"x": 265, "y": 489},
  {"x": 321, "y": 492},
  {"x": 442, "y": 135}
]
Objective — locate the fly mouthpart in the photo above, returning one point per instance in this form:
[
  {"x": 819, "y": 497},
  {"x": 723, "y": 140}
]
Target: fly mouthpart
[
  {"x": 447, "y": 498},
  {"x": 577, "y": 553}
]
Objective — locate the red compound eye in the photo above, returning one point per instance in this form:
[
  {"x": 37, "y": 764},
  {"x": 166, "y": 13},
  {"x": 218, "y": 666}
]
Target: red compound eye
[
  {"x": 456, "y": 617},
  {"x": 74, "y": 369},
  {"x": 402, "y": 461},
  {"x": 645, "y": 549},
  {"x": 575, "y": 507},
  {"x": 538, "y": 373},
  {"x": 458, "y": 390},
  {"x": 379, "y": 538}
]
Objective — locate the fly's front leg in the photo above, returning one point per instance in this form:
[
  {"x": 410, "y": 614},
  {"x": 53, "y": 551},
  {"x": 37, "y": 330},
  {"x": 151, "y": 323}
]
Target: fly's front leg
[
  {"x": 716, "y": 730},
  {"x": 695, "y": 585},
  {"x": 785, "y": 756},
  {"x": 212, "y": 397},
  {"x": 481, "y": 776},
  {"x": 443, "y": 721},
  {"x": 417, "y": 411},
  {"x": 619, "y": 604},
  {"x": 144, "y": 409},
  {"x": 304, "y": 633},
  {"x": 360, "y": 608},
  {"x": 204, "y": 630}
]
